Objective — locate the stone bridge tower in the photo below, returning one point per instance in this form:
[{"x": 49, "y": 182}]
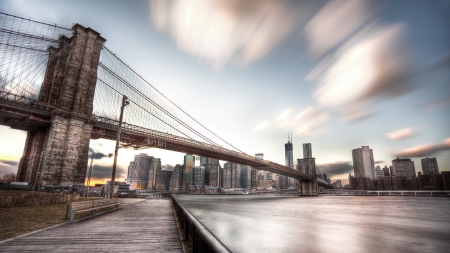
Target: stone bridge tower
[{"x": 57, "y": 154}]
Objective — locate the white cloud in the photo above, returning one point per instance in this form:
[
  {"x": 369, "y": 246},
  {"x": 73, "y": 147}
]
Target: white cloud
[
  {"x": 401, "y": 134},
  {"x": 225, "y": 32},
  {"x": 307, "y": 122}
]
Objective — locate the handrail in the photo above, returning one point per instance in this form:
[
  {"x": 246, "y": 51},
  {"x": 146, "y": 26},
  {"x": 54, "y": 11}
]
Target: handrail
[{"x": 213, "y": 243}]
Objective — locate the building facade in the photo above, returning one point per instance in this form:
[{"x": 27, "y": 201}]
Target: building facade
[
  {"x": 143, "y": 165},
  {"x": 429, "y": 166},
  {"x": 378, "y": 172},
  {"x": 199, "y": 175},
  {"x": 189, "y": 162},
  {"x": 403, "y": 168},
  {"x": 363, "y": 162},
  {"x": 246, "y": 174},
  {"x": 176, "y": 180},
  {"x": 232, "y": 175}
]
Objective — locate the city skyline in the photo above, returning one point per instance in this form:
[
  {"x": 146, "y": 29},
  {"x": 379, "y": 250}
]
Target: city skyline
[{"x": 327, "y": 87}]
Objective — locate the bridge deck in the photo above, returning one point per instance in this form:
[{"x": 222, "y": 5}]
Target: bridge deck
[{"x": 147, "y": 226}]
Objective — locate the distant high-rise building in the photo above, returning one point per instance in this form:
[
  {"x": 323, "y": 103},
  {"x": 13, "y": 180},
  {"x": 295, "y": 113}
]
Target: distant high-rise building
[
  {"x": 429, "y": 166},
  {"x": 386, "y": 171},
  {"x": 288, "y": 152},
  {"x": 189, "y": 162},
  {"x": 212, "y": 174},
  {"x": 337, "y": 184},
  {"x": 159, "y": 179},
  {"x": 403, "y": 168},
  {"x": 130, "y": 172},
  {"x": 199, "y": 175},
  {"x": 363, "y": 162},
  {"x": 378, "y": 172},
  {"x": 246, "y": 177},
  {"x": 232, "y": 175},
  {"x": 176, "y": 180},
  {"x": 255, "y": 173},
  {"x": 206, "y": 160},
  {"x": 143, "y": 165},
  {"x": 307, "y": 150},
  {"x": 283, "y": 181}
]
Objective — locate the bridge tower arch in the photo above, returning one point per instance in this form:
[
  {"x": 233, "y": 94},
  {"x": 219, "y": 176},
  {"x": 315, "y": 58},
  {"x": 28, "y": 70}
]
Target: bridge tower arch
[{"x": 57, "y": 154}]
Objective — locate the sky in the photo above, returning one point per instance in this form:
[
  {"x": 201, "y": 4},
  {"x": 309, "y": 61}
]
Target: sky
[{"x": 336, "y": 74}]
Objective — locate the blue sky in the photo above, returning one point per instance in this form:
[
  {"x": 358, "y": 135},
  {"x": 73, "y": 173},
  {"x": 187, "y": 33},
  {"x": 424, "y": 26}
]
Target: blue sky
[{"x": 337, "y": 74}]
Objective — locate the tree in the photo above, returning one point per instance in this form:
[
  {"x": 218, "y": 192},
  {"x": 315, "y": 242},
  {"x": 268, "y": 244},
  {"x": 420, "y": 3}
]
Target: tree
[{"x": 8, "y": 178}]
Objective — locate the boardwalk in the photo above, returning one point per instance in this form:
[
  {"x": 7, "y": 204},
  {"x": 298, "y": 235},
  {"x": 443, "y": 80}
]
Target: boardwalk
[{"x": 147, "y": 226}]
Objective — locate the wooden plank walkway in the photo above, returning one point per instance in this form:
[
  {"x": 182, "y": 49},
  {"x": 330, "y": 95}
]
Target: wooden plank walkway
[{"x": 146, "y": 226}]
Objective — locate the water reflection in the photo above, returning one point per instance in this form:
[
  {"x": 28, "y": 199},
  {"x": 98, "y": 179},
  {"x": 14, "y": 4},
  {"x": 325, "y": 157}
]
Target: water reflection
[{"x": 325, "y": 224}]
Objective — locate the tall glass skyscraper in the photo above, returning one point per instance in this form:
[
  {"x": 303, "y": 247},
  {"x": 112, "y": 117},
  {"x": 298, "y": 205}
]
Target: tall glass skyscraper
[{"x": 288, "y": 152}]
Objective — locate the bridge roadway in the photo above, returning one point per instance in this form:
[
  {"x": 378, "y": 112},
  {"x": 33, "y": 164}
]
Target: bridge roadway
[{"x": 26, "y": 114}]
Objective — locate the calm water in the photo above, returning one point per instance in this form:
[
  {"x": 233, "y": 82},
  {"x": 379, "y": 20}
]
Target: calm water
[{"x": 325, "y": 223}]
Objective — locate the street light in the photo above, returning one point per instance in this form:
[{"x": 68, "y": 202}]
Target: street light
[{"x": 125, "y": 102}]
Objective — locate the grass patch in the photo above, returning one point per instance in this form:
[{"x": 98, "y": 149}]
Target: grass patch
[{"x": 20, "y": 220}]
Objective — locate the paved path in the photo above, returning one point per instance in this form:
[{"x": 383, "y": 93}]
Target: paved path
[{"x": 146, "y": 226}]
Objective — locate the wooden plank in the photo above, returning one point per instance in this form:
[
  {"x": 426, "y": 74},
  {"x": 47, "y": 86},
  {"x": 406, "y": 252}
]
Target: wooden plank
[{"x": 147, "y": 226}]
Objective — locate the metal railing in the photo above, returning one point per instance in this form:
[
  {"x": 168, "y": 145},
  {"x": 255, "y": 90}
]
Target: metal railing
[{"x": 203, "y": 241}]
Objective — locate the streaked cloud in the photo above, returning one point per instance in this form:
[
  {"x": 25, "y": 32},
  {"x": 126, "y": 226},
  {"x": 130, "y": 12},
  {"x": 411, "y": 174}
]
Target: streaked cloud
[
  {"x": 336, "y": 168},
  {"x": 333, "y": 23},
  {"x": 437, "y": 104},
  {"x": 362, "y": 60},
  {"x": 8, "y": 166},
  {"x": 226, "y": 31},
  {"x": 401, "y": 134},
  {"x": 98, "y": 155},
  {"x": 355, "y": 115},
  {"x": 425, "y": 149},
  {"x": 103, "y": 173},
  {"x": 307, "y": 122}
]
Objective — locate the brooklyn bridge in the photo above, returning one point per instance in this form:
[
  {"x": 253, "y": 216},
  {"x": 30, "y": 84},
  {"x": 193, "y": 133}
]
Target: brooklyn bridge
[{"x": 64, "y": 87}]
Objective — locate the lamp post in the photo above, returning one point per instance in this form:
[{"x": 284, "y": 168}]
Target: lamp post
[{"x": 125, "y": 102}]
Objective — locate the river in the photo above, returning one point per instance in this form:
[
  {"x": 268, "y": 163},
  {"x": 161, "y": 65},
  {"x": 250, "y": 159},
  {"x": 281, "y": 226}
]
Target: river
[{"x": 326, "y": 223}]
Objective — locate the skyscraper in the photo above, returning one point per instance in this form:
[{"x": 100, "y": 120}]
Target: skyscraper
[
  {"x": 403, "y": 167},
  {"x": 189, "y": 161},
  {"x": 199, "y": 175},
  {"x": 378, "y": 172},
  {"x": 143, "y": 165},
  {"x": 206, "y": 160},
  {"x": 288, "y": 152},
  {"x": 154, "y": 174},
  {"x": 176, "y": 180},
  {"x": 245, "y": 177},
  {"x": 363, "y": 162},
  {"x": 429, "y": 166},
  {"x": 283, "y": 181},
  {"x": 307, "y": 150},
  {"x": 130, "y": 172},
  {"x": 232, "y": 175}
]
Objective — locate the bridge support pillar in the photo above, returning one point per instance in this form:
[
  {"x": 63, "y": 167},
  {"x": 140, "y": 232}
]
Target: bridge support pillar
[
  {"x": 57, "y": 155},
  {"x": 308, "y": 188}
]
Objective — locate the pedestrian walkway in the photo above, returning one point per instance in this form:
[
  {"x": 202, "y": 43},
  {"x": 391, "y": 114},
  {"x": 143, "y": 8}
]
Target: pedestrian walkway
[{"x": 145, "y": 226}]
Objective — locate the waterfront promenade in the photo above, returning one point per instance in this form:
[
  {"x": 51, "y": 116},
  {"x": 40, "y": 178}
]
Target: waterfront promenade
[{"x": 145, "y": 226}]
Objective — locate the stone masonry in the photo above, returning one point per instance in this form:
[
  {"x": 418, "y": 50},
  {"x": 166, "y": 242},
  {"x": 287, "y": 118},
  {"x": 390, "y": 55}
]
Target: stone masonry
[{"x": 58, "y": 154}]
